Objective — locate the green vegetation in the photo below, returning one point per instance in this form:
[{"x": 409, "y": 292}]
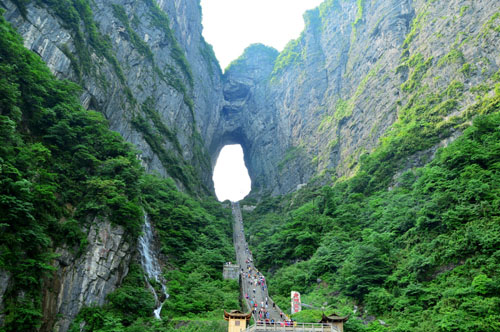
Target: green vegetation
[
  {"x": 176, "y": 166},
  {"x": 249, "y": 53},
  {"x": 463, "y": 10},
  {"x": 467, "y": 69},
  {"x": 161, "y": 21},
  {"x": 420, "y": 67},
  {"x": 291, "y": 55},
  {"x": 291, "y": 153},
  {"x": 453, "y": 57},
  {"x": 75, "y": 15},
  {"x": 416, "y": 249},
  {"x": 207, "y": 52},
  {"x": 196, "y": 238},
  {"x": 423, "y": 256},
  {"x": 141, "y": 46},
  {"x": 62, "y": 169},
  {"x": 359, "y": 13},
  {"x": 344, "y": 108},
  {"x": 415, "y": 29}
]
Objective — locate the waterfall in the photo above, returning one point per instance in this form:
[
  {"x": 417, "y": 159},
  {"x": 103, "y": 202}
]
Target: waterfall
[{"x": 150, "y": 263}]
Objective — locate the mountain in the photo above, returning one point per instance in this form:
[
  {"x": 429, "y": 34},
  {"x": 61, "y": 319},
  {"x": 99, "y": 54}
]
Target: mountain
[
  {"x": 360, "y": 71},
  {"x": 371, "y": 142}
]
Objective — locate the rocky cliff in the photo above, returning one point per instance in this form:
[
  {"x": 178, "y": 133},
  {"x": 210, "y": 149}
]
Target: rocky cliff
[
  {"x": 358, "y": 68},
  {"x": 144, "y": 65},
  {"x": 147, "y": 68},
  {"x": 310, "y": 111},
  {"x": 85, "y": 280}
]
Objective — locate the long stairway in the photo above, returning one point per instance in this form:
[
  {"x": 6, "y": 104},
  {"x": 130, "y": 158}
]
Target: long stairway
[{"x": 250, "y": 276}]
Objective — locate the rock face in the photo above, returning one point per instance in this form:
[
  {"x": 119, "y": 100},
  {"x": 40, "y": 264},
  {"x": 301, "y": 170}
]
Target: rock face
[
  {"x": 146, "y": 67},
  {"x": 310, "y": 111},
  {"x": 333, "y": 92},
  {"x": 4, "y": 283},
  {"x": 86, "y": 279}
]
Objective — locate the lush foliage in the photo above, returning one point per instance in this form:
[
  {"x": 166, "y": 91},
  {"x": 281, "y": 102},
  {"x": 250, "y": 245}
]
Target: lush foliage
[
  {"x": 61, "y": 168},
  {"x": 422, "y": 256}
]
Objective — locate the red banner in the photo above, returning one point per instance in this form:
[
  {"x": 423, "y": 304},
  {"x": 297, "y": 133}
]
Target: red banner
[{"x": 296, "y": 304}]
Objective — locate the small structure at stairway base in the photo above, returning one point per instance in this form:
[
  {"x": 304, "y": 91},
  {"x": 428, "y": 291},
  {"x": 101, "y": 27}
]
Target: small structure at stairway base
[
  {"x": 237, "y": 320},
  {"x": 335, "y": 321}
]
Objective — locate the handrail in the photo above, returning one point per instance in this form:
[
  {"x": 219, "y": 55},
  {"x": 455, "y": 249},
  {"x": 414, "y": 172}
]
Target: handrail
[{"x": 297, "y": 327}]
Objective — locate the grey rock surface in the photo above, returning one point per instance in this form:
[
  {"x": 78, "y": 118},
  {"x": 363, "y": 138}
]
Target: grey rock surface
[
  {"x": 4, "y": 283},
  {"x": 149, "y": 74},
  {"x": 87, "y": 279},
  {"x": 335, "y": 91}
]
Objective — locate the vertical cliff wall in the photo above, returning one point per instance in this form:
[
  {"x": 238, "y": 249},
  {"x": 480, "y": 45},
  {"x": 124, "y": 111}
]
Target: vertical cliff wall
[
  {"x": 144, "y": 65},
  {"x": 358, "y": 68}
]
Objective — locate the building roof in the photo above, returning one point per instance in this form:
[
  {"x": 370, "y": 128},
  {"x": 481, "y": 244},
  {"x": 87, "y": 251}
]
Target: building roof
[
  {"x": 236, "y": 314},
  {"x": 333, "y": 319}
]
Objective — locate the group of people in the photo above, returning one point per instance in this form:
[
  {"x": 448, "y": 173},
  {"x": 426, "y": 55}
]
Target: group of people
[
  {"x": 254, "y": 284},
  {"x": 290, "y": 322}
]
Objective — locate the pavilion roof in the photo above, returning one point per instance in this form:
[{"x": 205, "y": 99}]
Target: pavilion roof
[
  {"x": 333, "y": 318},
  {"x": 236, "y": 314}
]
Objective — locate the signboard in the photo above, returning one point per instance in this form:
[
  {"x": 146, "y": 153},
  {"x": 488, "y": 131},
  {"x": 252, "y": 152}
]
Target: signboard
[{"x": 296, "y": 304}]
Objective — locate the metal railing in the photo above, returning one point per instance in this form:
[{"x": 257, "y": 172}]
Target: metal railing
[{"x": 296, "y": 327}]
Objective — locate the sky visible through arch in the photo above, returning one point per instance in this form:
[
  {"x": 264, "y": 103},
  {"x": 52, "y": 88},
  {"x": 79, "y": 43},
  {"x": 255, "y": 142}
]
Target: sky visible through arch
[
  {"x": 230, "y": 174},
  {"x": 230, "y": 26}
]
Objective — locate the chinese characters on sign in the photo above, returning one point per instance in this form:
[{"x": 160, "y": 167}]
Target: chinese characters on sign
[{"x": 296, "y": 305}]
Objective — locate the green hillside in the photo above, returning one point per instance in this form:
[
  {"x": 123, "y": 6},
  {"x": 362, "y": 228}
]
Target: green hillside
[
  {"x": 61, "y": 168},
  {"x": 423, "y": 255}
]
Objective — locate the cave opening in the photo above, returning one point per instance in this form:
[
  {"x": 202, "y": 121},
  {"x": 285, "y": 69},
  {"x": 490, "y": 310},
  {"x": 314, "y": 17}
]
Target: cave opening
[{"x": 231, "y": 179}]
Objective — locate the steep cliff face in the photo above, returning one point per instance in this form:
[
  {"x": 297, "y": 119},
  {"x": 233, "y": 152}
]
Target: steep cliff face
[
  {"x": 150, "y": 73},
  {"x": 85, "y": 280},
  {"x": 155, "y": 80},
  {"x": 358, "y": 68}
]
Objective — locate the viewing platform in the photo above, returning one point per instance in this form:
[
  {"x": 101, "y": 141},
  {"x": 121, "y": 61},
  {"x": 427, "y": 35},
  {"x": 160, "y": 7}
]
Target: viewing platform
[{"x": 297, "y": 327}]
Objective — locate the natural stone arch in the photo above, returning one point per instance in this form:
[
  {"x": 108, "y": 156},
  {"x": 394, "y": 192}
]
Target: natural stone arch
[{"x": 236, "y": 136}]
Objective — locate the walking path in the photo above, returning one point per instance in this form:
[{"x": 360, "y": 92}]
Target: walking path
[{"x": 254, "y": 284}]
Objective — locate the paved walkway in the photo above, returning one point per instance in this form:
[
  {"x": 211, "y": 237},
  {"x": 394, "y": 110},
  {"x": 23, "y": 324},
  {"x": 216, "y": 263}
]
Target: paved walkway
[{"x": 253, "y": 282}]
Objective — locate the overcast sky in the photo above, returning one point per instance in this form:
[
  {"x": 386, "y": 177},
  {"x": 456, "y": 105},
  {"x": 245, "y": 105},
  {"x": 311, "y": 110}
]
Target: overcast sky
[{"x": 230, "y": 26}]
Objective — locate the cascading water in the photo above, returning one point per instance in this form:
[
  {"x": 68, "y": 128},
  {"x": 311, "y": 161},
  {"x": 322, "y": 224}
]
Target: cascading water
[{"x": 150, "y": 264}]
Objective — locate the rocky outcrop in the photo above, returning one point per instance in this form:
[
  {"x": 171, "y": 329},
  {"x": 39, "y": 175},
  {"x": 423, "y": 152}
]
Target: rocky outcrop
[
  {"x": 334, "y": 92},
  {"x": 4, "y": 284},
  {"x": 86, "y": 279},
  {"x": 151, "y": 74}
]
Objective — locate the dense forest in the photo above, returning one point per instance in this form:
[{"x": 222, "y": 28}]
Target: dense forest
[
  {"x": 422, "y": 255},
  {"x": 62, "y": 169}
]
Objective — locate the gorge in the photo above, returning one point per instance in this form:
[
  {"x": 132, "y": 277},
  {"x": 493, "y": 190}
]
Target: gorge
[{"x": 371, "y": 142}]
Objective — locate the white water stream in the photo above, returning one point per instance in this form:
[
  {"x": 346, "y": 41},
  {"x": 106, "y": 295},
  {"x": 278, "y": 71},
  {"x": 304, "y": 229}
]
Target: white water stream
[{"x": 150, "y": 263}]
